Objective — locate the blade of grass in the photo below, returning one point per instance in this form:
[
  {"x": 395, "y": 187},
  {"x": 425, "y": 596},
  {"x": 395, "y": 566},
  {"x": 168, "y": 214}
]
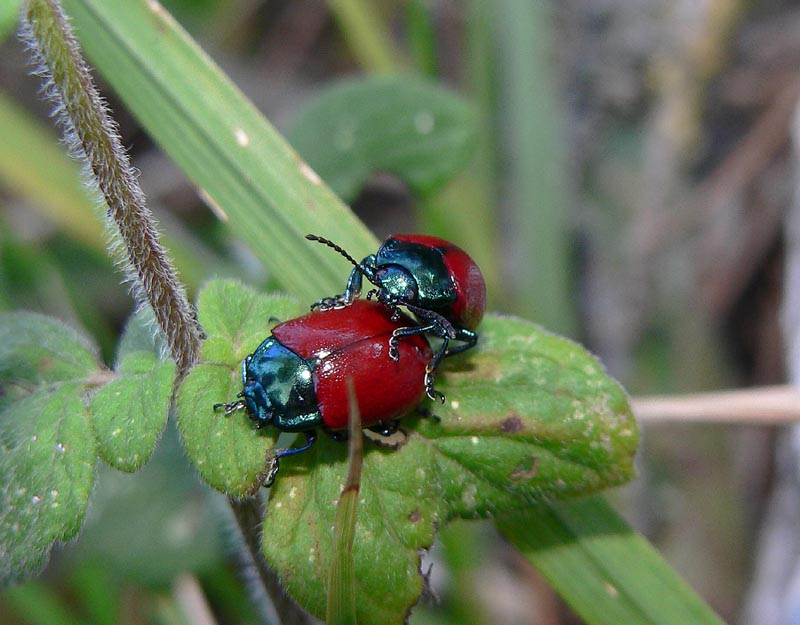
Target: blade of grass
[
  {"x": 34, "y": 166},
  {"x": 536, "y": 175},
  {"x": 99, "y": 592},
  {"x": 341, "y": 606},
  {"x": 421, "y": 37},
  {"x": 38, "y": 605},
  {"x": 465, "y": 211},
  {"x": 223, "y": 144},
  {"x": 368, "y": 37},
  {"x": 607, "y": 572}
]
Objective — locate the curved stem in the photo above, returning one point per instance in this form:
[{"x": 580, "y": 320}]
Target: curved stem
[
  {"x": 93, "y": 137},
  {"x": 249, "y": 514}
]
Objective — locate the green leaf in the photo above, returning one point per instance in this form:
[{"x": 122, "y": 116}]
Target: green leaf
[
  {"x": 47, "y": 456},
  {"x": 153, "y": 525},
  {"x": 402, "y": 125},
  {"x": 129, "y": 413},
  {"x": 248, "y": 173},
  {"x": 227, "y": 451},
  {"x": 530, "y": 416},
  {"x": 48, "y": 449},
  {"x": 400, "y": 505},
  {"x": 607, "y": 572},
  {"x": 35, "y": 349}
]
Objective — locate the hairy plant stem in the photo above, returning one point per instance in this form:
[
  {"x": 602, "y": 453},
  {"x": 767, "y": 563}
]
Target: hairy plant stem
[
  {"x": 93, "y": 136},
  {"x": 249, "y": 514}
]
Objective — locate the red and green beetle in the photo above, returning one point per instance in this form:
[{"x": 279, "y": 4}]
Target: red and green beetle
[
  {"x": 295, "y": 380},
  {"x": 430, "y": 277}
]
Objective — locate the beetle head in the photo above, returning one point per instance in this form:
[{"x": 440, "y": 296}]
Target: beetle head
[{"x": 396, "y": 283}]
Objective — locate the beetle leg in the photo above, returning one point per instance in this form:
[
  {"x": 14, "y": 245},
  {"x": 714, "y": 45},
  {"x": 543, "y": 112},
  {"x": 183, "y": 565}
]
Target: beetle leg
[
  {"x": 230, "y": 407},
  {"x": 384, "y": 428},
  {"x": 397, "y": 333},
  {"x": 468, "y": 338},
  {"x": 430, "y": 391},
  {"x": 267, "y": 478},
  {"x": 424, "y": 412},
  {"x": 430, "y": 368},
  {"x": 441, "y": 327},
  {"x": 311, "y": 438},
  {"x": 331, "y": 303},
  {"x": 394, "y": 350},
  {"x": 277, "y": 454}
]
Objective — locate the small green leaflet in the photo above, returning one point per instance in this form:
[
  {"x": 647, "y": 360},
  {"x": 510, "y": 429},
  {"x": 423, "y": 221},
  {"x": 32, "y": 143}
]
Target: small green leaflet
[
  {"x": 46, "y": 471},
  {"x": 530, "y": 416},
  {"x": 226, "y": 451},
  {"x": 402, "y": 125},
  {"x": 128, "y": 413},
  {"x": 54, "y": 408}
]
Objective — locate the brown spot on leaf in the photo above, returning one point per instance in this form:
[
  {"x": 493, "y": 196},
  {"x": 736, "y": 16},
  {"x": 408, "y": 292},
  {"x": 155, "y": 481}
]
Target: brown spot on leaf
[
  {"x": 526, "y": 471},
  {"x": 414, "y": 516},
  {"x": 511, "y": 425},
  {"x": 393, "y": 441},
  {"x": 45, "y": 363}
]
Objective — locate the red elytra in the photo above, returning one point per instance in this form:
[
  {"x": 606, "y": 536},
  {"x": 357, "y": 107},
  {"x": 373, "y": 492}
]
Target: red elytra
[
  {"x": 467, "y": 311},
  {"x": 353, "y": 342}
]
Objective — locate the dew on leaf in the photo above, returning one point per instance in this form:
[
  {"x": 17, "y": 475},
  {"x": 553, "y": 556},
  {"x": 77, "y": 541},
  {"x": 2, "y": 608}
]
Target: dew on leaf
[
  {"x": 309, "y": 173},
  {"x": 241, "y": 137},
  {"x": 424, "y": 122}
]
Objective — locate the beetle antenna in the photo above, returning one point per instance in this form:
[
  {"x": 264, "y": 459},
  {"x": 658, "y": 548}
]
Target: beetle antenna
[{"x": 342, "y": 251}]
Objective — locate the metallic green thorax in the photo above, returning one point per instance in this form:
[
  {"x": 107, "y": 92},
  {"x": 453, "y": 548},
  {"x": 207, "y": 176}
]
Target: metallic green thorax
[
  {"x": 278, "y": 388},
  {"x": 399, "y": 262},
  {"x": 425, "y": 264}
]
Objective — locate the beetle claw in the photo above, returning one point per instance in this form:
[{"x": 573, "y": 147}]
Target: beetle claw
[
  {"x": 230, "y": 407},
  {"x": 430, "y": 391},
  {"x": 394, "y": 350},
  {"x": 268, "y": 476},
  {"x": 331, "y": 303}
]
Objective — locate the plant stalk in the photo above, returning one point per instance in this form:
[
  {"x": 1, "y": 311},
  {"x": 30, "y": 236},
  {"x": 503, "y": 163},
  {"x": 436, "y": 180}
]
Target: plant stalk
[
  {"x": 93, "y": 137},
  {"x": 249, "y": 514}
]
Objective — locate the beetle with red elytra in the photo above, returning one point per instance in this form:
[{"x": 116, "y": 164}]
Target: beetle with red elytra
[
  {"x": 430, "y": 277},
  {"x": 295, "y": 380}
]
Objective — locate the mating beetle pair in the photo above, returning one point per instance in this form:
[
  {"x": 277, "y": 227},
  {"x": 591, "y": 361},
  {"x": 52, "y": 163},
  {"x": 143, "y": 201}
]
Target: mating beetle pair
[{"x": 295, "y": 380}]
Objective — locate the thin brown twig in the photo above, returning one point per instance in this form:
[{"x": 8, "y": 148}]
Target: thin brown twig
[
  {"x": 766, "y": 405},
  {"x": 192, "y": 601},
  {"x": 249, "y": 515}
]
